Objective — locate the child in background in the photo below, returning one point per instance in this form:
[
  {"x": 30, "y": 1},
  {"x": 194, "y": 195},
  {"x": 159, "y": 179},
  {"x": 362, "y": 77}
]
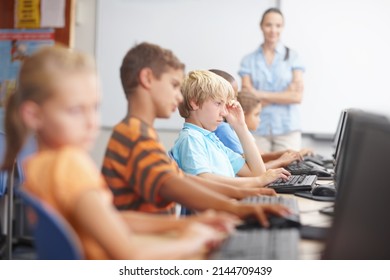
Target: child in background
[
  {"x": 57, "y": 99},
  {"x": 230, "y": 139},
  {"x": 208, "y": 98},
  {"x": 251, "y": 105},
  {"x": 136, "y": 166}
]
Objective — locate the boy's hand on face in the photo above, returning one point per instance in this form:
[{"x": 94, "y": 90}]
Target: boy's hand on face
[{"x": 235, "y": 114}]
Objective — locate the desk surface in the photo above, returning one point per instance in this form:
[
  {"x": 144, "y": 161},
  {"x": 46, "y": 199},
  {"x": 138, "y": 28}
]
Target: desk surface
[{"x": 310, "y": 215}]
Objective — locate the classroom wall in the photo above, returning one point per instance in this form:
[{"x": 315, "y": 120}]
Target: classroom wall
[
  {"x": 85, "y": 31},
  {"x": 85, "y": 40}
]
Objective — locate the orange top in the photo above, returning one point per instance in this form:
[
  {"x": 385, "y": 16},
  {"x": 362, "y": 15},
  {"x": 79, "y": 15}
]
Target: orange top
[
  {"x": 61, "y": 177},
  {"x": 135, "y": 167}
]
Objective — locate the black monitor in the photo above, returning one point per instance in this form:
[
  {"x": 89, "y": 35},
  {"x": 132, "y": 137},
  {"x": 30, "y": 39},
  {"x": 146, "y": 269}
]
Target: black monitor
[
  {"x": 339, "y": 133},
  {"x": 361, "y": 226}
]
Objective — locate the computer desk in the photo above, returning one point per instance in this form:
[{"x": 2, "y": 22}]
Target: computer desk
[{"x": 310, "y": 215}]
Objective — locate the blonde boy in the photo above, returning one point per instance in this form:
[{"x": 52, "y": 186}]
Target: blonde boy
[{"x": 208, "y": 98}]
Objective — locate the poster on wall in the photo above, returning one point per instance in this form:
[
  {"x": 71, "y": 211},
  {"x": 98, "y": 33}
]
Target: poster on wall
[
  {"x": 15, "y": 46},
  {"x": 27, "y": 14}
]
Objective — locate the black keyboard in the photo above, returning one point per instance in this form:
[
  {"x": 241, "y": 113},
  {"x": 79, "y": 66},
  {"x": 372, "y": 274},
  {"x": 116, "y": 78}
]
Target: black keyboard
[
  {"x": 299, "y": 167},
  {"x": 308, "y": 168},
  {"x": 290, "y": 221},
  {"x": 294, "y": 183},
  {"x": 319, "y": 159},
  {"x": 259, "y": 244}
]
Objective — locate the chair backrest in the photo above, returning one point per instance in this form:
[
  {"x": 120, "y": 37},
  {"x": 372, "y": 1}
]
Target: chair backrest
[
  {"x": 54, "y": 238},
  {"x": 3, "y": 174}
]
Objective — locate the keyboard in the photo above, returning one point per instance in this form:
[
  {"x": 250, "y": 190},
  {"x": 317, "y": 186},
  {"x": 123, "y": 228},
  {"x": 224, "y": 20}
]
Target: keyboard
[
  {"x": 290, "y": 221},
  {"x": 299, "y": 167},
  {"x": 289, "y": 202},
  {"x": 319, "y": 159},
  {"x": 294, "y": 183},
  {"x": 259, "y": 244},
  {"x": 308, "y": 168}
]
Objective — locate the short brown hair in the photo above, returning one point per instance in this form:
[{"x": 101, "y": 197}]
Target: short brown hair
[
  {"x": 146, "y": 55},
  {"x": 200, "y": 85},
  {"x": 248, "y": 101}
]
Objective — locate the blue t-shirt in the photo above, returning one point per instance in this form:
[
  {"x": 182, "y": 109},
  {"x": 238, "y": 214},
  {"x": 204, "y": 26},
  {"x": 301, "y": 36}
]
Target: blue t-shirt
[
  {"x": 276, "y": 119},
  {"x": 198, "y": 151},
  {"x": 229, "y": 137}
]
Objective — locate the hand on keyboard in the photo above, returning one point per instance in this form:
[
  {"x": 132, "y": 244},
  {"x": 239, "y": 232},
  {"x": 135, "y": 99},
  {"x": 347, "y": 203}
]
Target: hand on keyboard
[
  {"x": 222, "y": 222},
  {"x": 261, "y": 211},
  {"x": 245, "y": 192},
  {"x": 290, "y": 221},
  {"x": 289, "y": 157},
  {"x": 272, "y": 175}
]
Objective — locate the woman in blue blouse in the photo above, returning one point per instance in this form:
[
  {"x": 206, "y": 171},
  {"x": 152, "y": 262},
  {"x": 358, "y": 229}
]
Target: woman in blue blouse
[{"x": 274, "y": 73}]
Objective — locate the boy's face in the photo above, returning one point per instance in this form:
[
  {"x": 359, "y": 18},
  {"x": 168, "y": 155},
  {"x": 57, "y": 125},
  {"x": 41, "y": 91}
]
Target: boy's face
[
  {"x": 166, "y": 92},
  {"x": 211, "y": 114},
  {"x": 252, "y": 119}
]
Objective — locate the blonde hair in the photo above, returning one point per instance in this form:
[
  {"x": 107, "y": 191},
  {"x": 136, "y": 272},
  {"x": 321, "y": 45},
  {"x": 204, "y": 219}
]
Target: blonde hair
[
  {"x": 37, "y": 76},
  {"x": 201, "y": 85},
  {"x": 248, "y": 101}
]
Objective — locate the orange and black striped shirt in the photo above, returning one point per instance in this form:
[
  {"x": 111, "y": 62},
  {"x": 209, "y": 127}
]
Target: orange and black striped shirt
[{"x": 136, "y": 166}]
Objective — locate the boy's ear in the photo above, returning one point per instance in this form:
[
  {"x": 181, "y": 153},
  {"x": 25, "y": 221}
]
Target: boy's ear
[
  {"x": 194, "y": 106},
  {"x": 31, "y": 115},
  {"x": 146, "y": 77}
]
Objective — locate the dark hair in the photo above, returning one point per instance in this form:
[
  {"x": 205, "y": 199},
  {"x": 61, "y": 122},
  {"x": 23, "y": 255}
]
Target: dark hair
[
  {"x": 224, "y": 75},
  {"x": 35, "y": 83},
  {"x": 277, "y": 11},
  {"x": 271, "y": 10},
  {"x": 146, "y": 55},
  {"x": 248, "y": 101}
]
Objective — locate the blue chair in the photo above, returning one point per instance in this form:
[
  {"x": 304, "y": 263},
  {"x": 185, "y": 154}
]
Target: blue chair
[
  {"x": 9, "y": 181},
  {"x": 54, "y": 238}
]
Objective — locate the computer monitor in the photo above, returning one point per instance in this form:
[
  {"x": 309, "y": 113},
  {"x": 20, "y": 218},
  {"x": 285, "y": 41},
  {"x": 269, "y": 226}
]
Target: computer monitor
[
  {"x": 339, "y": 133},
  {"x": 353, "y": 119},
  {"x": 361, "y": 226}
]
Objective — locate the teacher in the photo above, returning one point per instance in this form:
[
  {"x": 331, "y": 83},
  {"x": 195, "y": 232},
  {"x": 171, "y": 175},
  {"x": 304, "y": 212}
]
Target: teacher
[{"x": 274, "y": 73}]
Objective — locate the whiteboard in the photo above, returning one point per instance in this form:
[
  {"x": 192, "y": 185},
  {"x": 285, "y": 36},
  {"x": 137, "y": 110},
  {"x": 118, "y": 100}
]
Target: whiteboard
[
  {"x": 203, "y": 34},
  {"x": 346, "y": 49},
  {"x": 345, "y": 46}
]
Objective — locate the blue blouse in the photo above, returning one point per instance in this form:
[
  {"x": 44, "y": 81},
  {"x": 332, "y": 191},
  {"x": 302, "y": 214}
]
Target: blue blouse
[{"x": 276, "y": 119}]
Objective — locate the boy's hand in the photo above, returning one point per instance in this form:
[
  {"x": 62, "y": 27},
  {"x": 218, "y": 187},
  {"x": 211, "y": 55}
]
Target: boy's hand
[
  {"x": 289, "y": 157},
  {"x": 260, "y": 211},
  {"x": 306, "y": 151},
  {"x": 245, "y": 192},
  {"x": 272, "y": 175},
  {"x": 235, "y": 114},
  {"x": 222, "y": 222},
  {"x": 201, "y": 238}
]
